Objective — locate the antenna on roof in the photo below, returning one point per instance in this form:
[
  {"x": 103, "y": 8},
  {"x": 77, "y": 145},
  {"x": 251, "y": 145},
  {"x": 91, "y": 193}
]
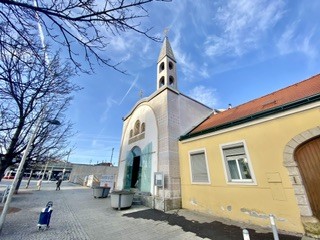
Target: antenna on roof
[{"x": 141, "y": 93}]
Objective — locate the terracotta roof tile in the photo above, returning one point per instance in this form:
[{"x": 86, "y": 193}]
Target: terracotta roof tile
[{"x": 295, "y": 92}]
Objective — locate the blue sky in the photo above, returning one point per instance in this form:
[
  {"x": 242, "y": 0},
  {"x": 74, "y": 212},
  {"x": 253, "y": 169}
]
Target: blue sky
[{"x": 226, "y": 51}]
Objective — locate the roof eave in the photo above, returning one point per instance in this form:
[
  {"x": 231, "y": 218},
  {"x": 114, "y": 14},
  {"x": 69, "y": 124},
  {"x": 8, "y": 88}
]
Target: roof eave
[{"x": 254, "y": 116}]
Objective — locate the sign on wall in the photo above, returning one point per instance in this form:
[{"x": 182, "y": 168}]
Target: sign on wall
[
  {"x": 158, "y": 179},
  {"x": 107, "y": 181}
]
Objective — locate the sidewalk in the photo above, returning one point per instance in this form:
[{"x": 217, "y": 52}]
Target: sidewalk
[{"x": 77, "y": 215}]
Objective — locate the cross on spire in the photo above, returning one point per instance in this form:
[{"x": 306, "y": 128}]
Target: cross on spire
[{"x": 165, "y": 32}]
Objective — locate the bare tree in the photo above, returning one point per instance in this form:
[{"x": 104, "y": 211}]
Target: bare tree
[
  {"x": 28, "y": 89},
  {"x": 69, "y": 23}
]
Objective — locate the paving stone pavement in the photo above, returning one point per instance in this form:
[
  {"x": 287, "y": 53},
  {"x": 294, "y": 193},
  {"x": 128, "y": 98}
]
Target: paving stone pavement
[{"x": 77, "y": 215}]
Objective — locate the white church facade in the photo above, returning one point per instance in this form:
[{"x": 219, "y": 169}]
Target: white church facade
[{"x": 150, "y": 137}]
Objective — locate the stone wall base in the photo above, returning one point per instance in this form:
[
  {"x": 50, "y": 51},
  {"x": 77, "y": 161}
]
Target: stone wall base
[
  {"x": 157, "y": 203},
  {"x": 311, "y": 226}
]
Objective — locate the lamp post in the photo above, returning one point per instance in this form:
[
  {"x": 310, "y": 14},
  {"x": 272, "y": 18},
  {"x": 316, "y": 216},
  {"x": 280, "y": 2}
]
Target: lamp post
[
  {"x": 65, "y": 164},
  {"x": 63, "y": 172},
  {"x": 15, "y": 180},
  {"x": 44, "y": 172}
]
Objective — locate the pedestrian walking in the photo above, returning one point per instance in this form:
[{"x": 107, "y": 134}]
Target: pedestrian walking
[
  {"x": 39, "y": 184},
  {"x": 58, "y": 184}
]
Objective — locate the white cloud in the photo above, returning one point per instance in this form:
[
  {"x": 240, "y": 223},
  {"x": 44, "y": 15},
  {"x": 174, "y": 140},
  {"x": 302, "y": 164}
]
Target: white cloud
[
  {"x": 204, "y": 71},
  {"x": 243, "y": 24},
  {"x": 119, "y": 43},
  {"x": 109, "y": 103},
  {"x": 127, "y": 57},
  {"x": 204, "y": 95},
  {"x": 189, "y": 67},
  {"x": 293, "y": 41},
  {"x": 286, "y": 38},
  {"x": 146, "y": 48}
]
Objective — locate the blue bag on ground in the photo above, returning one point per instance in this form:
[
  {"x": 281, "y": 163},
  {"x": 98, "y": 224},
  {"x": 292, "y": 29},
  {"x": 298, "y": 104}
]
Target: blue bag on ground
[{"x": 45, "y": 215}]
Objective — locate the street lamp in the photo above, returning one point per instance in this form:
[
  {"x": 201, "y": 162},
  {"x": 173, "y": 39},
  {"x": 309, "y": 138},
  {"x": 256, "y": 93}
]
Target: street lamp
[
  {"x": 44, "y": 172},
  {"x": 15, "y": 180},
  {"x": 63, "y": 172}
]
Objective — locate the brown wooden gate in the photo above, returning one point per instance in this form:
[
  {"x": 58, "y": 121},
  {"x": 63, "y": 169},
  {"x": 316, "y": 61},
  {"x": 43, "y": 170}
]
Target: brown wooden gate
[{"x": 308, "y": 158}]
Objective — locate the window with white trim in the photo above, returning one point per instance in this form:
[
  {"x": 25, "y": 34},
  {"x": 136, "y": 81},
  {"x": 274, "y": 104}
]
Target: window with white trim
[
  {"x": 198, "y": 166},
  {"x": 237, "y": 163}
]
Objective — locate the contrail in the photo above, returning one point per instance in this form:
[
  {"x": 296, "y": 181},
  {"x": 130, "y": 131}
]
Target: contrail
[
  {"x": 41, "y": 35},
  {"x": 132, "y": 85}
]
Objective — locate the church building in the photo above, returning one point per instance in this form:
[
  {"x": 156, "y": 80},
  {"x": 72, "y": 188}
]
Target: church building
[{"x": 151, "y": 131}]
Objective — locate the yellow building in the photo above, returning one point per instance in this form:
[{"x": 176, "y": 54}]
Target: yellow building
[{"x": 257, "y": 159}]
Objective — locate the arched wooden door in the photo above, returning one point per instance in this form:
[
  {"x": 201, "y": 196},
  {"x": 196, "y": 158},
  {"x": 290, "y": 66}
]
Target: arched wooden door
[{"x": 308, "y": 158}]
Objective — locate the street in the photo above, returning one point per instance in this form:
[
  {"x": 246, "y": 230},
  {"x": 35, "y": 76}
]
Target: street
[{"x": 78, "y": 215}]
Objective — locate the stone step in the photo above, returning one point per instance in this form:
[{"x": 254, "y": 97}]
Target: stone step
[{"x": 136, "y": 200}]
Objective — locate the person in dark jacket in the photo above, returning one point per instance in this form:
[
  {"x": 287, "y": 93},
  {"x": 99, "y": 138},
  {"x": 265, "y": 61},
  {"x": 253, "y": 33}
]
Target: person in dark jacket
[{"x": 58, "y": 184}]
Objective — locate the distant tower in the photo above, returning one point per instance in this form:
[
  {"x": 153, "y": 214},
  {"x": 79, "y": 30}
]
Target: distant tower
[{"x": 166, "y": 67}]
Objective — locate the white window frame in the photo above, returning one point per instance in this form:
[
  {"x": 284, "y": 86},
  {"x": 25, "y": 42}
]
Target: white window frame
[
  {"x": 227, "y": 173},
  {"x": 202, "y": 150}
]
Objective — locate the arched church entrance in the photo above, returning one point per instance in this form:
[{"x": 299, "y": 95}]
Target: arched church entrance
[
  {"x": 133, "y": 169},
  {"x": 307, "y": 156},
  {"x": 136, "y": 171}
]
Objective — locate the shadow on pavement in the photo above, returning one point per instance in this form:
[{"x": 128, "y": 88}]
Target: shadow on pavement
[{"x": 213, "y": 230}]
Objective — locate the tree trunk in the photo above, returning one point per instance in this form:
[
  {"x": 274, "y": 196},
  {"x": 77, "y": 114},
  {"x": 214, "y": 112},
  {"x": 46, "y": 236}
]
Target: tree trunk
[
  {"x": 21, "y": 177},
  {"x": 11, "y": 154},
  {"x": 3, "y": 167}
]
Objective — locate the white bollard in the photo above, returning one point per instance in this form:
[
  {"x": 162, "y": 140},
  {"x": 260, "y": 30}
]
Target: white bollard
[
  {"x": 274, "y": 227},
  {"x": 246, "y": 235}
]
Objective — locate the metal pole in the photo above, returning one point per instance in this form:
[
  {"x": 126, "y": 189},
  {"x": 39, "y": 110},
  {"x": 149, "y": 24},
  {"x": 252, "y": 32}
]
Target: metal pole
[
  {"x": 111, "y": 156},
  {"x": 50, "y": 174},
  {"x": 164, "y": 196},
  {"x": 274, "y": 227},
  {"x": 29, "y": 179},
  {"x": 44, "y": 172},
  {"x": 164, "y": 200},
  {"x": 15, "y": 180}
]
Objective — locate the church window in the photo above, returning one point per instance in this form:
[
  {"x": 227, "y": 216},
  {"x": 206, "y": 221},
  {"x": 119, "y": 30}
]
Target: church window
[
  {"x": 137, "y": 127},
  {"x": 143, "y": 127},
  {"x": 171, "y": 81},
  {"x": 170, "y": 65},
  {"x": 161, "y": 67},
  {"x": 161, "y": 82},
  {"x": 131, "y": 133}
]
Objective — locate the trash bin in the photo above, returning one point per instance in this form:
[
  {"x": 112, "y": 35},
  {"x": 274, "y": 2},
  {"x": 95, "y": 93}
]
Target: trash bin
[
  {"x": 106, "y": 191},
  {"x": 121, "y": 199},
  {"x": 100, "y": 192}
]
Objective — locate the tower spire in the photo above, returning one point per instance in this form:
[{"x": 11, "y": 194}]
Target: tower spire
[
  {"x": 166, "y": 74},
  {"x": 166, "y": 50}
]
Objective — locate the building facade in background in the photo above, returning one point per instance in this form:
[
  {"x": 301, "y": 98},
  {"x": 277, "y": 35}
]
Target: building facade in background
[
  {"x": 259, "y": 158},
  {"x": 82, "y": 172}
]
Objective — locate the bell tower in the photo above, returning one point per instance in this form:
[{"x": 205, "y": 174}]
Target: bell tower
[{"x": 166, "y": 67}]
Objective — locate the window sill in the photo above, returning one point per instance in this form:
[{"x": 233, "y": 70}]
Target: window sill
[
  {"x": 241, "y": 182},
  {"x": 136, "y": 138},
  {"x": 200, "y": 183}
]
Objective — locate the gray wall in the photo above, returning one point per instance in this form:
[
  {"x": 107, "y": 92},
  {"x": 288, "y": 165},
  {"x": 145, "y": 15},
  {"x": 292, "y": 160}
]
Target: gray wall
[{"x": 80, "y": 171}]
